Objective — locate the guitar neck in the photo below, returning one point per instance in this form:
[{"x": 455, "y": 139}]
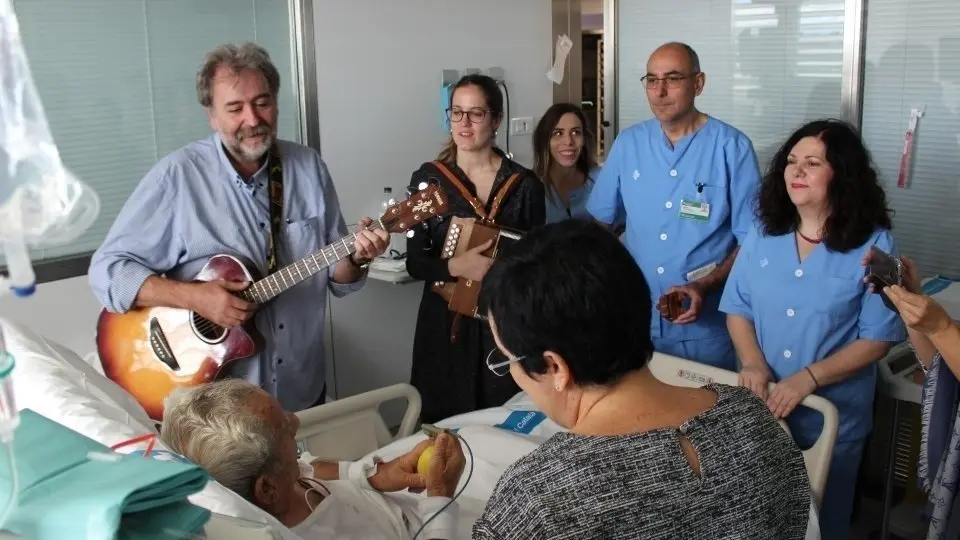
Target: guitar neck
[{"x": 283, "y": 279}]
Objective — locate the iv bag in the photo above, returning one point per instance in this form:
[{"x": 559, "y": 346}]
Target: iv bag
[{"x": 41, "y": 202}]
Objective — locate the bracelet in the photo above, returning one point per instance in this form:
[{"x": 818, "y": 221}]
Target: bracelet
[{"x": 816, "y": 383}]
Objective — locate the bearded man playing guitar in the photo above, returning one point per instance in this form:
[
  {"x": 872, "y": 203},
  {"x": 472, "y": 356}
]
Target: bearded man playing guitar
[{"x": 243, "y": 193}]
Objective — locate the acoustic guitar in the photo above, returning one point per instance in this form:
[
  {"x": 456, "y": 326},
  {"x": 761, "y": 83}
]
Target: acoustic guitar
[{"x": 151, "y": 351}]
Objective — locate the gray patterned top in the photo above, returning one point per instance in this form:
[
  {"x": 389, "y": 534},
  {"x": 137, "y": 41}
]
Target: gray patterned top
[{"x": 753, "y": 482}]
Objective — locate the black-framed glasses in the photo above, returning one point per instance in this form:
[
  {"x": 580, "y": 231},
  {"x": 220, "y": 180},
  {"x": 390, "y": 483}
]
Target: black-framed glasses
[
  {"x": 498, "y": 363},
  {"x": 475, "y": 115},
  {"x": 673, "y": 80}
]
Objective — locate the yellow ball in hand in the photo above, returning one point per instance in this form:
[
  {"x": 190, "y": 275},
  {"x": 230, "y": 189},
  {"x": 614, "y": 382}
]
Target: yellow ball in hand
[{"x": 423, "y": 463}]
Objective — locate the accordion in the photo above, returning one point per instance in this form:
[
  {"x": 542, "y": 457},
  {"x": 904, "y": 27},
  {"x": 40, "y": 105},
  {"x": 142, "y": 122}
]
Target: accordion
[{"x": 462, "y": 296}]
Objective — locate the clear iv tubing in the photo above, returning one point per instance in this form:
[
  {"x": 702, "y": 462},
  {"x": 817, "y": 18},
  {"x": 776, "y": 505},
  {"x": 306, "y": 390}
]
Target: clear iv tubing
[{"x": 9, "y": 420}]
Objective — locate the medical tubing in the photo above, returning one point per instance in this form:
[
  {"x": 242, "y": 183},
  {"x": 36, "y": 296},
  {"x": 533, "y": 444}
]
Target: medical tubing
[
  {"x": 444, "y": 507},
  {"x": 506, "y": 95},
  {"x": 21, "y": 278},
  {"x": 14, "y": 480}
]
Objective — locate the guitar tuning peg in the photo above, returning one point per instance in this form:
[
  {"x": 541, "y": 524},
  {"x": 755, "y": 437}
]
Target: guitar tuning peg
[
  {"x": 423, "y": 185},
  {"x": 410, "y": 233}
]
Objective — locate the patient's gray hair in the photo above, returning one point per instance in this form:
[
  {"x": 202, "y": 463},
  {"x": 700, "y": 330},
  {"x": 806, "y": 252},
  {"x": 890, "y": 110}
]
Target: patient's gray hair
[
  {"x": 238, "y": 58},
  {"x": 212, "y": 426}
]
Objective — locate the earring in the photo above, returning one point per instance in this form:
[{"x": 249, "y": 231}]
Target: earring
[{"x": 557, "y": 387}]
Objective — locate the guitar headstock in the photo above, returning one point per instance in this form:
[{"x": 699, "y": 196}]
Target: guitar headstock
[{"x": 421, "y": 206}]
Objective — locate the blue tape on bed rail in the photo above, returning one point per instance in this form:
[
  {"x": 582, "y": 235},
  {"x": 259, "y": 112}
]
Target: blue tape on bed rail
[{"x": 522, "y": 421}]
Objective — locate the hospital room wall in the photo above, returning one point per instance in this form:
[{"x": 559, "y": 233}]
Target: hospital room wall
[{"x": 378, "y": 86}]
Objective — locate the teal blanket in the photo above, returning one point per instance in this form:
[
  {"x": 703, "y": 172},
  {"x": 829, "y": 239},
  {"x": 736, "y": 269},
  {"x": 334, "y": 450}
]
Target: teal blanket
[{"x": 66, "y": 494}]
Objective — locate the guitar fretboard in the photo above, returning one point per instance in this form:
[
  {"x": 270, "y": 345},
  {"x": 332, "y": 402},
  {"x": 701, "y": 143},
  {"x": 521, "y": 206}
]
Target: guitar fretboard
[{"x": 271, "y": 286}]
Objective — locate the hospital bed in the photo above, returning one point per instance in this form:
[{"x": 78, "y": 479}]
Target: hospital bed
[
  {"x": 351, "y": 428},
  {"x": 57, "y": 383},
  {"x": 679, "y": 372}
]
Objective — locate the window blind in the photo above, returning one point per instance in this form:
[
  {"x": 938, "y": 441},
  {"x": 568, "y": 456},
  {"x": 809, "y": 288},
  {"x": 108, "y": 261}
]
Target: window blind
[
  {"x": 117, "y": 81},
  {"x": 770, "y": 66},
  {"x": 912, "y": 60}
]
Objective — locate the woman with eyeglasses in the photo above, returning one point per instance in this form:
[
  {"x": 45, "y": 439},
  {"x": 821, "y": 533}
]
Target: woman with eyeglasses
[
  {"x": 641, "y": 458},
  {"x": 449, "y": 350}
]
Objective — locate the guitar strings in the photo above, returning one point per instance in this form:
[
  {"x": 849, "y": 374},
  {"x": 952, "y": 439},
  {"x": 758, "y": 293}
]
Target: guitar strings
[{"x": 207, "y": 327}]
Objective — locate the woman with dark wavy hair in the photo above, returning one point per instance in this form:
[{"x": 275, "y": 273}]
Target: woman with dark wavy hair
[{"x": 798, "y": 310}]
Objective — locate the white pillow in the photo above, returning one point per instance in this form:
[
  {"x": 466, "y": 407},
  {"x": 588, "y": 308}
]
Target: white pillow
[{"x": 55, "y": 382}]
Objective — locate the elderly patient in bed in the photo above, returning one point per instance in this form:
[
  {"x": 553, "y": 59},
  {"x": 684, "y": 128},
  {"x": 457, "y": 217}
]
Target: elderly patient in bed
[{"x": 242, "y": 436}]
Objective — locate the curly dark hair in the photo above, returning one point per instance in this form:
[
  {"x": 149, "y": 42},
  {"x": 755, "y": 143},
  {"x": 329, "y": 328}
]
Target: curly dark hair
[{"x": 858, "y": 203}]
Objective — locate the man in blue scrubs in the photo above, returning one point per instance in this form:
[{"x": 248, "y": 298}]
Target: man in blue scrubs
[{"x": 687, "y": 184}]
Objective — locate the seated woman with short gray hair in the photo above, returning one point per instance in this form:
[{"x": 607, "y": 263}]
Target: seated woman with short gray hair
[{"x": 247, "y": 442}]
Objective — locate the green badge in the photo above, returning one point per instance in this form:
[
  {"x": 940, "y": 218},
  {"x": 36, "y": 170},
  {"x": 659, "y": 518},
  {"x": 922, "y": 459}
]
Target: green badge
[{"x": 695, "y": 210}]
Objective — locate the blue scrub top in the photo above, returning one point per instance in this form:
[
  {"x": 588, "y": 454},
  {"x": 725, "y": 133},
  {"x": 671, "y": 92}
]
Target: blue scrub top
[
  {"x": 646, "y": 178},
  {"x": 803, "y": 312},
  {"x": 578, "y": 201}
]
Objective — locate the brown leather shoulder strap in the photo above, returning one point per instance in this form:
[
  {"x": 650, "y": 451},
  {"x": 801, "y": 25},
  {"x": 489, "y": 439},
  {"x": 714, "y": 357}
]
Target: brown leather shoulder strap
[
  {"x": 477, "y": 207},
  {"x": 502, "y": 194}
]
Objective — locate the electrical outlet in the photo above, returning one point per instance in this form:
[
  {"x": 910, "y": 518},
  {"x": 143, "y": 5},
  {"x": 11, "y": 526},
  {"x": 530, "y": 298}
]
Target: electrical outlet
[{"x": 522, "y": 125}]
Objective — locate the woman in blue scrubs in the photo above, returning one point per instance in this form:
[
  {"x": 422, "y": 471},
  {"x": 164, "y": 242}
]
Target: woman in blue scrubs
[
  {"x": 563, "y": 150},
  {"x": 797, "y": 308}
]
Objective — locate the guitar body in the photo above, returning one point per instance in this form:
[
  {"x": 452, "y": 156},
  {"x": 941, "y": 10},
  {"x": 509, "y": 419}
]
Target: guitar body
[{"x": 150, "y": 352}]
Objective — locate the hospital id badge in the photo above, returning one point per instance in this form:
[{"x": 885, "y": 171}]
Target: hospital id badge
[{"x": 695, "y": 210}]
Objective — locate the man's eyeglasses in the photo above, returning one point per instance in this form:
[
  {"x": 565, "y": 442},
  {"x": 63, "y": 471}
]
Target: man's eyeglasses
[
  {"x": 475, "y": 115},
  {"x": 672, "y": 81},
  {"x": 498, "y": 363}
]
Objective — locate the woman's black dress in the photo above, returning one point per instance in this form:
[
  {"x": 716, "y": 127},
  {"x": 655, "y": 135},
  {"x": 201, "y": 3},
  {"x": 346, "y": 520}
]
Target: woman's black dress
[{"x": 452, "y": 378}]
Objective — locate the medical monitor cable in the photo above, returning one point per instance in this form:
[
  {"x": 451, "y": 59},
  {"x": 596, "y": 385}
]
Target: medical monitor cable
[
  {"x": 457, "y": 494},
  {"x": 506, "y": 95}
]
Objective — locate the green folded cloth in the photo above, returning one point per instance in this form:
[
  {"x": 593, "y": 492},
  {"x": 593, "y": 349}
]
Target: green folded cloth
[{"x": 67, "y": 494}]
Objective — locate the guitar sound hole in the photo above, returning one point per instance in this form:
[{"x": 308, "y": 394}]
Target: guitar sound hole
[{"x": 206, "y": 330}]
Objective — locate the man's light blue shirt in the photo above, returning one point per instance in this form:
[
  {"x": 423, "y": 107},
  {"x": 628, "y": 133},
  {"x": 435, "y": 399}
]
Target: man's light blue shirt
[
  {"x": 803, "y": 312},
  {"x": 193, "y": 205},
  {"x": 648, "y": 178}
]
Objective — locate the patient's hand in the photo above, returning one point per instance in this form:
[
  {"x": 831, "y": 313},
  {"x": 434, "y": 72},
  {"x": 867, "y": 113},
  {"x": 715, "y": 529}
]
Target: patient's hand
[
  {"x": 445, "y": 467},
  {"x": 400, "y": 473}
]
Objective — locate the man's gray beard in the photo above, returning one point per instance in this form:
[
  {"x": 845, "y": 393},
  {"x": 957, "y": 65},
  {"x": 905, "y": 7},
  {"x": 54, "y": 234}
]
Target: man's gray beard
[{"x": 253, "y": 155}]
